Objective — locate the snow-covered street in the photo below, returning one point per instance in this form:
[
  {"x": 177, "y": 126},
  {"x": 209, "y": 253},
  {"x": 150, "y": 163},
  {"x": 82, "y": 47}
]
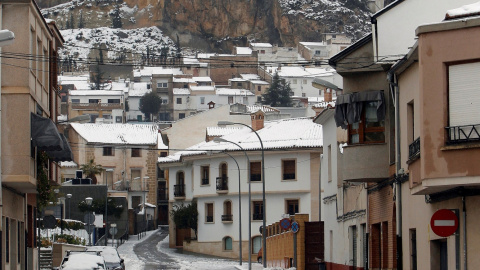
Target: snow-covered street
[{"x": 152, "y": 252}]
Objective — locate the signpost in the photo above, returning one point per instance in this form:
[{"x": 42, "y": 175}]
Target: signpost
[
  {"x": 444, "y": 222},
  {"x": 285, "y": 224}
]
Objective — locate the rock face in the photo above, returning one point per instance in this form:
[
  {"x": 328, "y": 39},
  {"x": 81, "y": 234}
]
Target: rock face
[{"x": 218, "y": 25}]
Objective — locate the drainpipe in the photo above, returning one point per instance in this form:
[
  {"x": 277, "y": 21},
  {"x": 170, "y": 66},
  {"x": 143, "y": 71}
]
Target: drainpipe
[{"x": 464, "y": 234}]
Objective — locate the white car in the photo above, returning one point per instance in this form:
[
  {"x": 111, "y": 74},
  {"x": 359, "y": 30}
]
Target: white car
[
  {"x": 82, "y": 260},
  {"x": 110, "y": 255}
]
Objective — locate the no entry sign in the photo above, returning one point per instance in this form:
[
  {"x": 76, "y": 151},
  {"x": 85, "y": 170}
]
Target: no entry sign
[{"x": 444, "y": 222}]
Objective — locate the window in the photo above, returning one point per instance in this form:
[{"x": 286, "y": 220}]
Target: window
[
  {"x": 209, "y": 212},
  {"x": 262, "y": 51},
  {"x": 205, "y": 175},
  {"x": 230, "y": 100},
  {"x": 259, "y": 88},
  {"x": 162, "y": 85},
  {"x": 202, "y": 100},
  {"x": 292, "y": 207},
  {"x": 114, "y": 101},
  {"x": 303, "y": 95},
  {"x": 288, "y": 169},
  {"x": 164, "y": 101},
  {"x": 256, "y": 244},
  {"x": 413, "y": 249},
  {"x": 118, "y": 119},
  {"x": 179, "y": 188},
  {"x": 181, "y": 115},
  {"x": 96, "y": 100},
  {"x": 369, "y": 129},
  {"x": 463, "y": 116},
  {"x": 136, "y": 180},
  {"x": 256, "y": 171},
  {"x": 227, "y": 243},
  {"x": 136, "y": 152},
  {"x": 304, "y": 81},
  {"x": 257, "y": 210},
  {"x": 75, "y": 100},
  {"x": 7, "y": 240},
  {"x": 239, "y": 84},
  {"x": 227, "y": 211},
  {"x": 317, "y": 52},
  {"x": 179, "y": 100},
  {"x": 108, "y": 151}
]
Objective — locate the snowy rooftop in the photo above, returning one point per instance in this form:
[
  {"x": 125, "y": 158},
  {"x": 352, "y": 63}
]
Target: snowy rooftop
[
  {"x": 263, "y": 45},
  {"x": 324, "y": 104},
  {"x": 249, "y": 76},
  {"x": 202, "y": 88},
  {"x": 183, "y": 80},
  {"x": 464, "y": 11},
  {"x": 139, "y": 89},
  {"x": 244, "y": 50},
  {"x": 237, "y": 80},
  {"x": 136, "y": 134},
  {"x": 265, "y": 109},
  {"x": 222, "y": 131},
  {"x": 307, "y": 44},
  {"x": 280, "y": 134},
  {"x": 80, "y": 82},
  {"x": 160, "y": 144},
  {"x": 202, "y": 79},
  {"x": 258, "y": 82},
  {"x": 95, "y": 93},
  {"x": 68, "y": 164},
  {"x": 166, "y": 71},
  {"x": 233, "y": 92},
  {"x": 181, "y": 91},
  {"x": 300, "y": 71}
]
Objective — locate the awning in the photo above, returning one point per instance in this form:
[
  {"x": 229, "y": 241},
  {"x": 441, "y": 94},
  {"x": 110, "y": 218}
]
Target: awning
[
  {"x": 62, "y": 155},
  {"x": 45, "y": 134},
  {"x": 325, "y": 83},
  {"x": 349, "y": 107}
]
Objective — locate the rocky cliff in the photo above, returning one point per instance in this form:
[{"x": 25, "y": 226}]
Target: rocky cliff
[{"x": 218, "y": 25}]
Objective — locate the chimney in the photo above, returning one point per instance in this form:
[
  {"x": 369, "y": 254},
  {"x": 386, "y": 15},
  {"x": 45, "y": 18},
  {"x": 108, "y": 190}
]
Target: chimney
[
  {"x": 257, "y": 120},
  {"x": 328, "y": 95}
]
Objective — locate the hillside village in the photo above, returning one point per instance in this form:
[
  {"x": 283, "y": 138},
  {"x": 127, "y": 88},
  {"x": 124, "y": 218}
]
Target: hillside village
[{"x": 371, "y": 166}]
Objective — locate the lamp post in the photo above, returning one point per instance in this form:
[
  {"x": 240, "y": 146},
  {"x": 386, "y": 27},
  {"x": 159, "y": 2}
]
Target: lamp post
[
  {"x": 60, "y": 201},
  {"x": 144, "y": 198},
  {"x": 218, "y": 140},
  {"x": 264, "y": 236},
  {"x": 89, "y": 201},
  {"x": 69, "y": 196}
]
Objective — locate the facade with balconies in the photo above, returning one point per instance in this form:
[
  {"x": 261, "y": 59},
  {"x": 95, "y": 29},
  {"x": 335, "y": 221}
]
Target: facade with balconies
[{"x": 106, "y": 104}]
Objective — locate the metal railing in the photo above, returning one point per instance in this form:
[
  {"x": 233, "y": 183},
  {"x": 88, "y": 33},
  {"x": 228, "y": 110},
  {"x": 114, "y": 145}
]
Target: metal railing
[
  {"x": 222, "y": 183},
  {"x": 179, "y": 190},
  {"x": 414, "y": 149},
  {"x": 205, "y": 181},
  {"x": 460, "y": 134},
  {"x": 227, "y": 217},
  {"x": 209, "y": 218}
]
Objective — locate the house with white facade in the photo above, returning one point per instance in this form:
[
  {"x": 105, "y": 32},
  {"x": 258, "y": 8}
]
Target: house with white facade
[
  {"x": 136, "y": 91},
  {"x": 204, "y": 174},
  {"x": 103, "y": 104}
]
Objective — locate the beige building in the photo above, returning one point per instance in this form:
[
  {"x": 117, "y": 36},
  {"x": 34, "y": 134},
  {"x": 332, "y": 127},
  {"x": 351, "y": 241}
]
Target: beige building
[
  {"x": 128, "y": 154},
  {"x": 28, "y": 134},
  {"x": 439, "y": 141}
]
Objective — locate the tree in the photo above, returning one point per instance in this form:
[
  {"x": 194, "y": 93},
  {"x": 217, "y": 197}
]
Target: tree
[
  {"x": 278, "y": 94},
  {"x": 81, "y": 23},
  {"x": 91, "y": 169},
  {"x": 72, "y": 21},
  {"x": 150, "y": 104},
  {"x": 116, "y": 20},
  {"x": 185, "y": 217}
]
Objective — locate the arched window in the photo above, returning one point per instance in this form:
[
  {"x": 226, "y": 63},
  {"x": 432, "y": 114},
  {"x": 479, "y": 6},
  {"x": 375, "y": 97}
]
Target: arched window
[
  {"x": 180, "y": 178},
  {"x": 227, "y": 211},
  {"x": 223, "y": 170},
  {"x": 179, "y": 188},
  {"x": 227, "y": 243},
  {"x": 256, "y": 244}
]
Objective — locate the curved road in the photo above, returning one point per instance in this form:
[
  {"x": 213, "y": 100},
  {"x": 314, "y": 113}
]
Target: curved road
[{"x": 147, "y": 251}]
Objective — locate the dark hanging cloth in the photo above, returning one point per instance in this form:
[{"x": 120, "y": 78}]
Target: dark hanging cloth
[
  {"x": 62, "y": 155},
  {"x": 45, "y": 135},
  {"x": 349, "y": 107}
]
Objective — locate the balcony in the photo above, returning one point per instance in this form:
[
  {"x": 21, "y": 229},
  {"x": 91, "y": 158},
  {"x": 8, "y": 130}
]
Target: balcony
[
  {"x": 222, "y": 185},
  {"x": 96, "y": 106},
  {"x": 365, "y": 162},
  {"x": 227, "y": 218},
  {"x": 179, "y": 191},
  {"x": 414, "y": 150},
  {"x": 462, "y": 134}
]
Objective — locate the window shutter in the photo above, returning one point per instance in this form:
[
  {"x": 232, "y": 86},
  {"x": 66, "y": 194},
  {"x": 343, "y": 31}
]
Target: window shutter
[{"x": 464, "y": 98}]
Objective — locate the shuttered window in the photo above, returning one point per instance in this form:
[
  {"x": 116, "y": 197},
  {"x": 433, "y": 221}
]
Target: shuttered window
[
  {"x": 288, "y": 167},
  {"x": 255, "y": 171},
  {"x": 464, "y": 100}
]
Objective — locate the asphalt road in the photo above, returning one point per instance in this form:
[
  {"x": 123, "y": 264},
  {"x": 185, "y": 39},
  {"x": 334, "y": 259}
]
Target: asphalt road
[{"x": 147, "y": 252}]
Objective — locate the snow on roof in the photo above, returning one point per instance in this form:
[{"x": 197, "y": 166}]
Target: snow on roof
[
  {"x": 300, "y": 71},
  {"x": 83, "y": 261},
  {"x": 133, "y": 134},
  {"x": 139, "y": 89},
  {"x": 190, "y": 61},
  {"x": 306, "y": 44},
  {"x": 266, "y": 45},
  {"x": 183, "y": 80},
  {"x": 263, "y": 108},
  {"x": 324, "y": 104},
  {"x": 464, "y": 11},
  {"x": 205, "y": 55},
  {"x": 249, "y": 76},
  {"x": 244, "y": 50},
  {"x": 237, "y": 80},
  {"x": 181, "y": 91},
  {"x": 62, "y": 117},
  {"x": 202, "y": 79},
  {"x": 280, "y": 134},
  {"x": 80, "y": 82},
  {"x": 233, "y": 92},
  {"x": 258, "y": 82},
  {"x": 95, "y": 93},
  {"x": 150, "y": 205},
  {"x": 202, "y": 88},
  {"x": 166, "y": 71},
  {"x": 160, "y": 144},
  {"x": 222, "y": 131},
  {"x": 68, "y": 164}
]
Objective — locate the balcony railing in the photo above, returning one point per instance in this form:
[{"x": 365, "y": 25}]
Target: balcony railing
[
  {"x": 414, "y": 149},
  {"x": 205, "y": 181},
  {"x": 179, "y": 190},
  {"x": 96, "y": 106},
  {"x": 257, "y": 216},
  {"x": 209, "y": 218},
  {"x": 222, "y": 184},
  {"x": 227, "y": 217},
  {"x": 460, "y": 134}
]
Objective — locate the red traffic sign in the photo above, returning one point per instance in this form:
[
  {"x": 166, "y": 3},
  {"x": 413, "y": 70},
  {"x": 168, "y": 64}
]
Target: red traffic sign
[
  {"x": 444, "y": 222},
  {"x": 285, "y": 224}
]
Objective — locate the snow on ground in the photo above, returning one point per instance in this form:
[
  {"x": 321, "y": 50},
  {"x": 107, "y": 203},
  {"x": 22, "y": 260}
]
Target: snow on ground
[{"x": 185, "y": 261}]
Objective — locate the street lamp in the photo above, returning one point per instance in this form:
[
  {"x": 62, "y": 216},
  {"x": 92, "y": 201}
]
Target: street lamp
[
  {"x": 60, "y": 201},
  {"x": 144, "y": 198},
  {"x": 89, "y": 201},
  {"x": 264, "y": 236},
  {"x": 69, "y": 196},
  {"x": 218, "y": 140}
]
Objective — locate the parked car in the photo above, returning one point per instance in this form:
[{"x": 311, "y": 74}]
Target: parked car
[
  {"x": 110, "y": 255},
  {"x": 82, "y": 260},
  {"x": 260, "y": 255}
]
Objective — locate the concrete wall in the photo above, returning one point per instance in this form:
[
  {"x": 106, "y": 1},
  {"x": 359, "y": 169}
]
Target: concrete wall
[{"x": 60, "y": 250}]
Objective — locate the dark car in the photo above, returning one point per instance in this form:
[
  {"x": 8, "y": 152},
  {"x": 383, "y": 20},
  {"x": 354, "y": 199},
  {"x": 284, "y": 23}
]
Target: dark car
[{"x": 110, "y": 254}]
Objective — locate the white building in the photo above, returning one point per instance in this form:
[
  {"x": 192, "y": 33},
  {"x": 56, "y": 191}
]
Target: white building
[
  {"x": 212, "y": 180},
  {"x": 135, "y": 93}
]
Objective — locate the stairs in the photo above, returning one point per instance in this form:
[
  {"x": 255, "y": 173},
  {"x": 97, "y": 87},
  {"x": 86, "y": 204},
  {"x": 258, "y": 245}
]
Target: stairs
[{"x": 46, "y": 259}]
